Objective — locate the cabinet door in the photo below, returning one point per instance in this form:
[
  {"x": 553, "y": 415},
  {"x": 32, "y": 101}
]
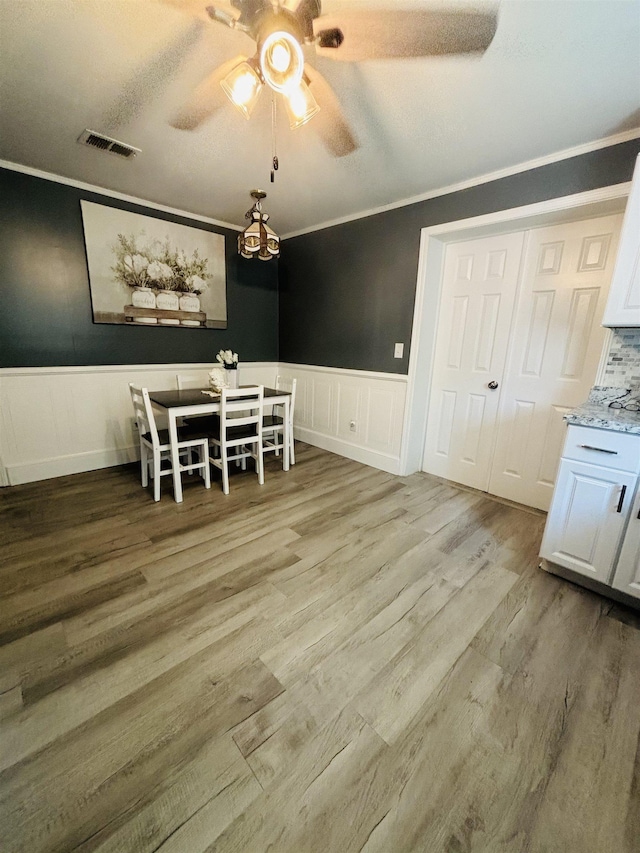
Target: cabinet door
[
  {"x": 623, "y": 305},
  {"x": 587, "y": 517},
  {"x": 627, "y": 576}
]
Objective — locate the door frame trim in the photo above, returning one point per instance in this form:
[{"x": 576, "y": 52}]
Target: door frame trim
[{"x": 433, "y": 242}]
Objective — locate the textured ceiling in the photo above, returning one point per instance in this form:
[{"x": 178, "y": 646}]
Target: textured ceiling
[{"x": 558, "y": 74}]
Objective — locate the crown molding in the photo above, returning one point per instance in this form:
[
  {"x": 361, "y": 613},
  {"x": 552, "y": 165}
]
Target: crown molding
[
  {"x": 93, "y": 188},
  {"x": 536, "y": 163}
]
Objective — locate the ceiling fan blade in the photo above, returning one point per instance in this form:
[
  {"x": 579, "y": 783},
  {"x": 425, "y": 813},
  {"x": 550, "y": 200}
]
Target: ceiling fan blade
[
  {"x": 219, "y": 10},
  {"x": 152, "y": 78},
  {"x": 356, "y": 34},
  {"x": 206, "y": 99},
  {"x": 330, "y": 123}
]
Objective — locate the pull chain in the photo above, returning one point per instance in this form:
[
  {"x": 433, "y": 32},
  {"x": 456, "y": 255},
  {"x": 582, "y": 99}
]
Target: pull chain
[{"x": 274, "y": 161}]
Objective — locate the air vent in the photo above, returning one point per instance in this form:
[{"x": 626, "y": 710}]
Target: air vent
[{"x": 105, "y": 143}]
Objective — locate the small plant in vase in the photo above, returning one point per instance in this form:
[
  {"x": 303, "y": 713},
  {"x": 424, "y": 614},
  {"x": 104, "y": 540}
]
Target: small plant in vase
[
  {"x": 161, "y": 276},
  {"x": 228, "y": 359},
  {"x": 131, "y": 269}
]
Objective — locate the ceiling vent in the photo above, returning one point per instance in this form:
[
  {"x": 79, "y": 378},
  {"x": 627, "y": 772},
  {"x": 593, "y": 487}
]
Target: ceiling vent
[{"x": 105, "y": 143}]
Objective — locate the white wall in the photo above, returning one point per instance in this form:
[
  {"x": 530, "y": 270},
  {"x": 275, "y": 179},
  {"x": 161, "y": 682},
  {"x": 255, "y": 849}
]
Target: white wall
[{"x": 62, "y": 420}]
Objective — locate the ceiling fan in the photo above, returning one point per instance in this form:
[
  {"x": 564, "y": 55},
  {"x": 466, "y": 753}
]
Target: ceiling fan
[{"x": 280, "y": 28}]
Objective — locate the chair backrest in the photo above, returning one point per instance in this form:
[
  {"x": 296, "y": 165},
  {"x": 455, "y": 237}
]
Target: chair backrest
[
  {"x": 185, "y": 380},
  {"x": 284, "y": 383},
  {"x": 143, "y": 412},
  {"x": 242, "y": 407}
]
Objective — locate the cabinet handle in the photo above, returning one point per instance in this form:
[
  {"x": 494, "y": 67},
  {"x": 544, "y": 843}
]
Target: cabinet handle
[
  {"x": 599, "y": 449},
  {"x": 621, "y": 501}
]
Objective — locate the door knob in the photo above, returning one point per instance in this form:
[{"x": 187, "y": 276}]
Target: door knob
[{"x": 493, "y": 385}]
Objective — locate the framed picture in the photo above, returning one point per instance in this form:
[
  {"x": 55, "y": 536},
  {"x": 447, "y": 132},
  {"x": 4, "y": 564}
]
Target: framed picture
[{"x": 147, "y": 271}]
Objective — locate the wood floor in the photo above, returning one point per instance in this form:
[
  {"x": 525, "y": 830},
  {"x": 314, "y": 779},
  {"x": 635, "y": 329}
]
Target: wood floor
[{"x": 341, "y": 660}]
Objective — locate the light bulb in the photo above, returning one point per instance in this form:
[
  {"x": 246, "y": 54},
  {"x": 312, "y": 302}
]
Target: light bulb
[
  {"x": 243, "y": 89},
  {"x": 281, "y": 61},
  {"x": 280, "y": 56}
]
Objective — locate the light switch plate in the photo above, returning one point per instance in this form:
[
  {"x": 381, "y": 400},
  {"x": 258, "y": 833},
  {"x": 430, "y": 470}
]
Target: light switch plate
[{"x": 398, "y": 351}]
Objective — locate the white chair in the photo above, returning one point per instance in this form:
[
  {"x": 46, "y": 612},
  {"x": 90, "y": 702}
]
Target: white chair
[
  {"x": 239, "y": 430},
  {"x": 155, "y": 447},
  {"x": 273, "y": 424},
  {"x": 185, "y": 381}
]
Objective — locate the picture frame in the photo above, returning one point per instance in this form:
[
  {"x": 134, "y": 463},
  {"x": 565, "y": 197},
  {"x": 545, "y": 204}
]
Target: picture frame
[{"x": 146, "y": 271}]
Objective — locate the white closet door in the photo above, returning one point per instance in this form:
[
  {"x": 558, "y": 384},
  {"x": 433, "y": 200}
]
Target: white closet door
[
  {"x": 479, "y": 285},
  {"x": 556, "y": 345}
]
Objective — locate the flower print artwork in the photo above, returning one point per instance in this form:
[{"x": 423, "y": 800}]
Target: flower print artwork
[{"x": 131, "y": 258}]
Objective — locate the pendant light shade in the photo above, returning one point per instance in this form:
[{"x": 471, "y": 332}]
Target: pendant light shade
[{"x": 258, "y": 240}]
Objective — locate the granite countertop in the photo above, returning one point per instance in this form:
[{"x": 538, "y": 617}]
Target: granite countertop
[{"x": 596, "y": 411}]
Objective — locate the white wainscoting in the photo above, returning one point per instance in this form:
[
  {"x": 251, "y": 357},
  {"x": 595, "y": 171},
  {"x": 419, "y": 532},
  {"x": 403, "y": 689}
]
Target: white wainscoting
[
  {"x": 329, "y": 400},
  {"x": 62, "y": 420}
]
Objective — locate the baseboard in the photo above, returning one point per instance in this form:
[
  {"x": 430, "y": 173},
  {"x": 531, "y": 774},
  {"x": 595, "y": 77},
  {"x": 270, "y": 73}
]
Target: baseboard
[
  {"x": 61, "y": 466},
  {"x": 390, "y": 464}
]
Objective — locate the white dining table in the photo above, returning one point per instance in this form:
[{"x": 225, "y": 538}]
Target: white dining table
[{"x": 194, "y": 401}]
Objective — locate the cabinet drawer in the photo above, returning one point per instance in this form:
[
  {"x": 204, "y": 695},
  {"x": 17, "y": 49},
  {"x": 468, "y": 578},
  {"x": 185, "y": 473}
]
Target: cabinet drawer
[{"x": 605, "y": 447}]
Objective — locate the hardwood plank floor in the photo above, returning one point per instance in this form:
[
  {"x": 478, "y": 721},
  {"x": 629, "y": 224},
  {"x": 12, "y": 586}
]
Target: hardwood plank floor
[{"x": 340, "y": 660}]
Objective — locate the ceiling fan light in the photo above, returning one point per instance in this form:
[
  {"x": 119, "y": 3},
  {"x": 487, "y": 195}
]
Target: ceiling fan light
[
  {"x": 301, "y": 105},
  {"x": 242, "y": 85},
  {"x": 281, "y": 61}
]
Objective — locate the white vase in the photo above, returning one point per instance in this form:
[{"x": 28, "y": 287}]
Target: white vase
[
  {"x": 168, "y": 300},
  {"x": 190, "y": 302},
  {"x": 144, "y": 297},
  {"x": 232, "y": 376}
]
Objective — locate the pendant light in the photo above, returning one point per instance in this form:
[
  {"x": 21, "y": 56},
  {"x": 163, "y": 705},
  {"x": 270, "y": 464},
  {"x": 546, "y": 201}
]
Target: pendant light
[{"x": 258, "y": 240}]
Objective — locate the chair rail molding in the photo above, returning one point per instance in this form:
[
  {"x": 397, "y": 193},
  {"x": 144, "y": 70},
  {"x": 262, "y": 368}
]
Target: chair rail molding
[{"x": 62, "y": 420}]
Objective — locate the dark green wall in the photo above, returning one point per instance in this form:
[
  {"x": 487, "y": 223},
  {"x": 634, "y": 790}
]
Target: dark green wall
[
  {"x": 45, "y": 313},
  {"x": 347, "y": 292}
]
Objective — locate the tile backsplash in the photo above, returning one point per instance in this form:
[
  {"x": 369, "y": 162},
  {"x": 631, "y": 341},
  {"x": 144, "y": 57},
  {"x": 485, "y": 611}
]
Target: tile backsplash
[{"x": 623, "y": 362}]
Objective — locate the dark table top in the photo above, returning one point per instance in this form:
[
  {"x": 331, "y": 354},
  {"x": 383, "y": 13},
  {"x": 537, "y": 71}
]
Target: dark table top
[{"x": 195, "y": 397}]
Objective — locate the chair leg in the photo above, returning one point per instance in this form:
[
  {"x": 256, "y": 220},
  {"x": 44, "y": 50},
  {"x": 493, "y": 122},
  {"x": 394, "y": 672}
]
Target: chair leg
[
  {"x": 144, "y": 465},
  {"x": 206, "y": 472},
  {"x": 156, "y": 475},
  {"x": 260, "y": 463},
  {"x": 190, "y": 458},
  {"x": 225, "y": 470},
  {"x": 292, "y": 451}
]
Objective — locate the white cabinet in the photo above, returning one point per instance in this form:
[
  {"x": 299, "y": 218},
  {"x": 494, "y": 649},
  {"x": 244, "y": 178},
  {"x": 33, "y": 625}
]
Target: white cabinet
[
  {"x": 587, "y": 518},
  {"x": 627, "y": 576},
  {"x": 623, "y": 304},
  {"x": 592, "y": 505}
]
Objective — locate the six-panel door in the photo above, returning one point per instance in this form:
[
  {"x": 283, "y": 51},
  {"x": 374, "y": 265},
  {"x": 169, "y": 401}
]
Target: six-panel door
[
  {"x": 556, "y": 344},
  {"x": 480, "y": 281}
]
